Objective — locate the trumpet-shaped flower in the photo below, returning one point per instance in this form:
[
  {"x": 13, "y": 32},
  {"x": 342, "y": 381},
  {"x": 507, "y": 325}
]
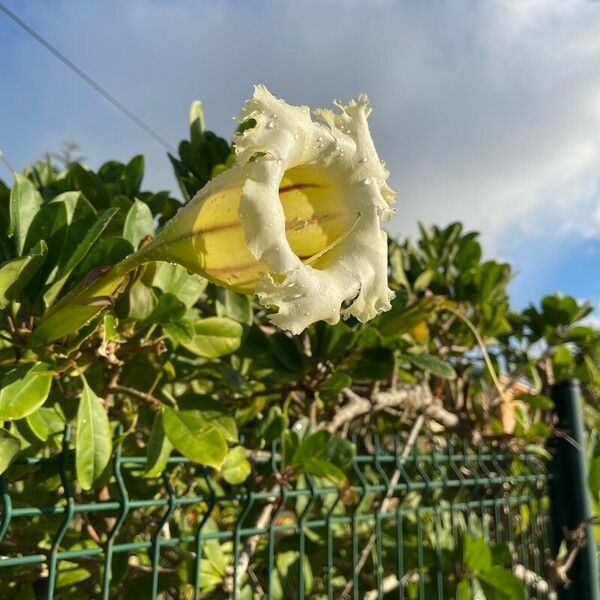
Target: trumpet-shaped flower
[{"x": 296, "y": 219}]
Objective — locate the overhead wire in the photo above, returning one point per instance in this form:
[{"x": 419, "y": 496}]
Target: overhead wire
[{"x": 87, "y": 78}]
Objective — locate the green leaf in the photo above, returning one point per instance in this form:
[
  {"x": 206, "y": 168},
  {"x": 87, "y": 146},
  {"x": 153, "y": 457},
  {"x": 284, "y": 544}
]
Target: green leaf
[
  {"x": 212, "y": 411},
  {"x": 500, "y": 554},
  {"x": 463, "y": 590},
  {"x": 168, "y": 309},
  {"x": 45, "y": 422},
  {"x": 594, "y": 476},
  {"x": 180, "y": 331},
  {"x": 158, "y": 450},
  {"x": 24, "y": 390},
  {"x": 78, "y": 254},
  {"x": 402, "y": 319},
  {"x": 504, "y": 583},
  {"x": 62, "y": 223},
  {"x": 286, "y": 351},
  {"x": 196, "y": 439},
  {"x": 536, "y": 401},
  {"x": 322, "y": 468},
  {"x": 432, "y": 364},
  {"x": 25, "y": 202},
  {"x": 334, "y": 385},
  {"x": 235, "y": 306},
  {"x": 174, "y": 279},
  {"x": 236, "y": 468},
  {"x": 139, "y": 223},
  {"x": 562, "y": 357},
  {"x": 476, "y": 553},
  {"x": 16, "y": 274},
  {"x": 216, "y": 414},
  {"x": 215, "y": 337},
  {"x": 311, "y": 447},
  {"x": 375, "y": 363},
  {"x": 133, "y": 175},
  {"x": 339, "y": 451},
  {"x": 9, "y": 448},
  {"x": 423, "y": 280},
  {"x": 93, "y": 440},
  {"x": 90, "y": 184}
]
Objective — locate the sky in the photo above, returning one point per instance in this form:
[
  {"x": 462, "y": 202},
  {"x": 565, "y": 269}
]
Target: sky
[{"x": 486, "y": 113}]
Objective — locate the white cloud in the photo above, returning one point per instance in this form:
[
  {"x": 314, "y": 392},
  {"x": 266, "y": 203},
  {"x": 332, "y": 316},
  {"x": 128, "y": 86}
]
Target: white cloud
[{"x": 487, "y": 113}]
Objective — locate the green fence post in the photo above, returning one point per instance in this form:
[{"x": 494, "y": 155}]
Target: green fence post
[{"x": 569, "y": 497}]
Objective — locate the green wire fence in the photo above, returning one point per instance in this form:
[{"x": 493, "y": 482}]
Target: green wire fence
[{"x": 394, "y": 530}]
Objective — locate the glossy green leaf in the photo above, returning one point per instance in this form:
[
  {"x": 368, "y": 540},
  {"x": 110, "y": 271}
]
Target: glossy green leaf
[
  {"x": 16, "y": 274},
  {"x": 45, "y": 422},
  {"x": 401, "y": 319},
  {"x": 168, "y": 309},
  {"x": 78, "y": 254},
  {"x": 9, "y": 448},
  {"x": 174, "y": 279},
  {"x": 476, "y": 553},
  {"x": 159, "y": 448},
  {"x": 62, "y": 223},
  {"x": 339, "y": 451},
  {"x": 311, "y": 447},
  {"x": 322, "y": 468},
  {"x": 374, "y": 363},
  {"x": 463, "y": 590},
  {"x": 286, "y": 351},
  {"x": 90, "y": 184},
  {"x": 195, "y": 438},
  {"x": 237, "y": 467},
  {"x": 133, "y": 175},
  {"x": 432, "y": 364},
  {"x": 24, "y": 390},
  {"x": 139, "y": 223},
  {"x": 93, "y": 440},
  {"x": 234, "y": 306},
  {"x": 503, "y": 582},
  {"x": 215, "y": 337},
  {"x": 25, "y": 202},
  {"x": 536, "y": 401}
]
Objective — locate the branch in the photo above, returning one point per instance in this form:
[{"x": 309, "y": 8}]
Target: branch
[
  {"x": 391, "y": 582},
  {"x": 249, "y": 548},
  {"x": 533, "y": 581},
  {"x": 153, "y": 402},
  {"x": 412, "y": 398}
]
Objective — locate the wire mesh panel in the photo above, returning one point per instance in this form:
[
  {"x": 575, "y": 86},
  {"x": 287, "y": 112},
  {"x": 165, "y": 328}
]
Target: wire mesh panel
[{"x": 409, "y": 522}]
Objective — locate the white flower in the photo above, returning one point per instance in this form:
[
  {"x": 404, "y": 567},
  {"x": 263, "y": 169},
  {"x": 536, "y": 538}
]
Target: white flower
[{"x": 296, "y": 219}]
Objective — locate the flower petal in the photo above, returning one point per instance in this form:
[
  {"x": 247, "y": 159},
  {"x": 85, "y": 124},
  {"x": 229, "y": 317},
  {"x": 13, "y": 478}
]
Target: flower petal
[{"x": 339, "y": 146}]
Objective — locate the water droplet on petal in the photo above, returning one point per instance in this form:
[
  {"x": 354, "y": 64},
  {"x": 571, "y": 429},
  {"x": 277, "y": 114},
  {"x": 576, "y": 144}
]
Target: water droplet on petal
[
  {"x": 270, "y": 124},
  {"x": 296, "y": 135},
  {"x": 363, "y": 159}
]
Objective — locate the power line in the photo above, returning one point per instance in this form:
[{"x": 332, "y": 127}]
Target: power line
[{"x": 89, "y": 80}]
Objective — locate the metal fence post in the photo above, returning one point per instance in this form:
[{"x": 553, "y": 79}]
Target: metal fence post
[{"x": 569, "y": 496}]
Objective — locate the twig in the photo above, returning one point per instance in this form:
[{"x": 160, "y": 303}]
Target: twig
[
  {"x": 533, "y": 581},
  {"x": 415, "y": 398},
  {"x": 412, "y": 439},
  {"x": 249, "y": 548},
  {"x": 391, "y": 582},
  {"x": 577, "y": 538},
  {"x": 153, "y": 402}
]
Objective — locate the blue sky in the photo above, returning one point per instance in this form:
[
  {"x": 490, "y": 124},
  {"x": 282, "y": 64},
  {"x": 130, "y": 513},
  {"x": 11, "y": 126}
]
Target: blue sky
[{"x": 487, "y": 113}]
